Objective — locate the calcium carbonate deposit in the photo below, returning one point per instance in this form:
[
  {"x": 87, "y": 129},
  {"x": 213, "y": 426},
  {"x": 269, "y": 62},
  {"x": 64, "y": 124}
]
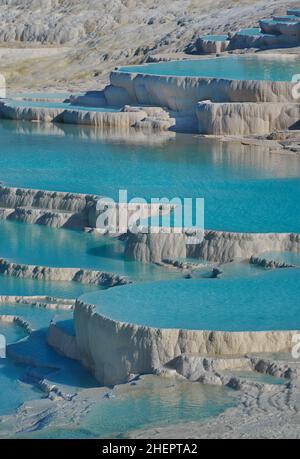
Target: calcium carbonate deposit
[{"x": 149, "y": 328}]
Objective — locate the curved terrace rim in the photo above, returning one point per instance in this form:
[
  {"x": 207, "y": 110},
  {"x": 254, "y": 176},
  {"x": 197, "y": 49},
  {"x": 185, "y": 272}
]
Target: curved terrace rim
[
  {"x": 257, "y": 55},
  {"x": 82, "y": 301}
]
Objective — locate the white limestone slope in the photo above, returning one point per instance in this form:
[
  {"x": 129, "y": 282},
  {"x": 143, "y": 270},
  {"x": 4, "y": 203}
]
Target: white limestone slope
[
  {"x": 219, "y": 246},
  {"x": 113, "y": 351},
  {"x": 68, "y": 210},
  {"x": 92, "y": 32},
  {"x": 245, "y": 119},
  {"x": 184, "y": 93},
  {"x": 213, "y": 106},
  {"x": 151, "y": 118},
  {"x": 46, "y": 273}
]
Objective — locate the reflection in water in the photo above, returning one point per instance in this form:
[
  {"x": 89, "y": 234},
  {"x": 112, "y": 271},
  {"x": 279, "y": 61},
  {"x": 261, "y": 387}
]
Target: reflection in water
[
  {"x": 215, "y": 151},
  {"x": 291, "y": 258},
  {"x": 42, "y": 246},
  {"x": 28, "y": 287},
  {"x": 231, "y": 177},
  {"x": 93, "y": 133}
]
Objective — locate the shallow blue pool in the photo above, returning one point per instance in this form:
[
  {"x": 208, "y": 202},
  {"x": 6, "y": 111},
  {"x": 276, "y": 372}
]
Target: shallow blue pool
[
  {"x": 245, "y": 188},
  {"x": 58, "y": 105},
  {"x": 37, "y": 317},
  {"x": 266, "y": 302},
  {"x": 215, "y": 37},
  {"x": 233, "y": 68},
  {"x": 27, "y": 287},
  {"x": 152, "y": 402},
  {"x": 250, "y": 31},
  {"x": 14, "y": 392},
  {"x": 39, "y": 245},
  {"x": 11, "y": 331}
]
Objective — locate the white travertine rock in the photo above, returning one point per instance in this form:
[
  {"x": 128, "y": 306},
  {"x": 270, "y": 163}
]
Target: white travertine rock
[
  {"x": 113, "y": 350},
  {"x": 118, "y": 120},
  {"x": 44, "y": 217},
  {"x": 155, "y": 247},
  {"x": 68, "y": 210},
  {"x": 269, "y": 264},
  {"x": 116, "y": 96},
  {"x": 62, "y": 342},
  {"x": 210, "y": 46},
  {"x": 246, "y": 118},
  {"x": 262, "y": 41},
  {"x": 156, "y": 119},
  {"x": 89, "y": 99},
  {"x": 45, "y": 302},
  {"x": 289, "y": 29},
  {"x": 19, "y": 321},
  {"x": 217, "y": 246},
  {"x": 42, "y": 115},
  {"x": 280, "y": 369},
  {"x": 193, "y": 367},
  {"x": 184, "y": 93},
  {"x": 45, "y": 273},
  {"x": 226, "y": 246},
  {"x": 50, "y": 208},
  {"x": 42, "y": 199}
]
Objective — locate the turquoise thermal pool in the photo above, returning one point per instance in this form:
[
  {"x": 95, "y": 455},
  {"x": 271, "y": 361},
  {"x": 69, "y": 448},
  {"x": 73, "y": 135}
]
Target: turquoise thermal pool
[
  {"x": 232, "y": 68},
  {"x": 42, "y": 246},
  {"x": 215, "y": 37},
  {"x": 11, "y": 331},
  {"x": 231, "y": 178},
  {"x": 14, "y": 392},
  {"x": 58, "y": 105},
  {"x": 250, "y": 31},
  {"x": 17, "y": 381},
  {"x": 257, "y": 303},
  {"x": 151, "y": 402},
  {"x": 27, "y": 287},
  {"x": 37, "y": 317},
  {"x": 14, "y": 388}
]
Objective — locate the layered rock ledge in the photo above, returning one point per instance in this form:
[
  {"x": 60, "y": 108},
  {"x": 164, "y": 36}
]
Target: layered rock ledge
[
  {"x": 58, "y": 209},
  {"x": 43, "y": 273},
  {"x": 217, "y": 246},
  {"x": 222, "y": 106},
  {"x": 139, "y": 118},
  {"x": 246, "y": 118},
  {"x": 145, "y": 350}
]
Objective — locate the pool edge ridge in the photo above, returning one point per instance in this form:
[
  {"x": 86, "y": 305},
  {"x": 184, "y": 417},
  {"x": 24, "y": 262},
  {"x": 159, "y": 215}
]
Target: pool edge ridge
[
  {"x": 145, "y": 350},
  {"x": 214, "y": 246}
]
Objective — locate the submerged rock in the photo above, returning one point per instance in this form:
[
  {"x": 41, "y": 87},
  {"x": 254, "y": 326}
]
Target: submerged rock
[
  {"x": 216, "y": 273},
  {"x": 269, "y": 264}
]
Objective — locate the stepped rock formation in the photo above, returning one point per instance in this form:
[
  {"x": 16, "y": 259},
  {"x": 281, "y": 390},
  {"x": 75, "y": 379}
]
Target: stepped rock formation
[
  {"x": 219, "y": 246},
  {"x": 144, "y": 350},
  {"x": 269, "y": 264},
  {"x": 244, "y": 119},
  {"x": 43, "y": 273},
  {"x": 150, "y": 118},
  {"x": 184, "y": 93},
  {"x": 213, "y": 106},
  {"x": 68, "y": 210},
  {"x": 55, "y": 209}
]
